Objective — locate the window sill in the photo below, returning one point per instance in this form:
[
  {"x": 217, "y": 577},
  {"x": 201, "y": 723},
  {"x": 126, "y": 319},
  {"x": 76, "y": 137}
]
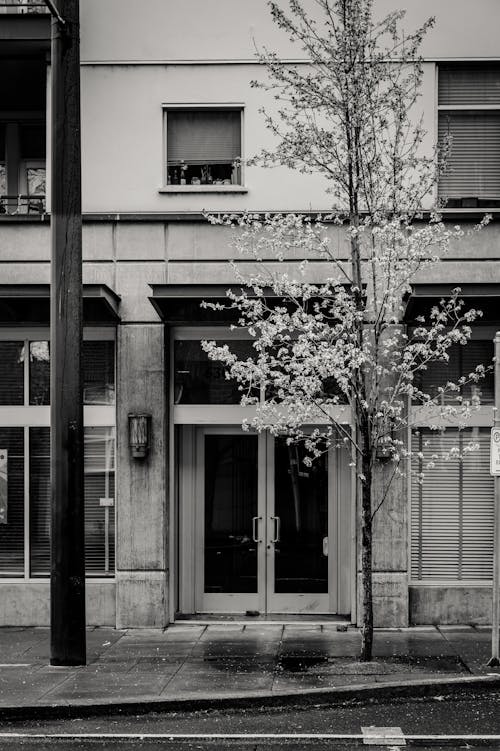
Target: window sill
[{"x": 203, "y": 189}]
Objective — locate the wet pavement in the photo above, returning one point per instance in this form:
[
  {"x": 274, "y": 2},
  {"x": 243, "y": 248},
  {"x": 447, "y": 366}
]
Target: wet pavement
[{"x": 191, "y": 661}]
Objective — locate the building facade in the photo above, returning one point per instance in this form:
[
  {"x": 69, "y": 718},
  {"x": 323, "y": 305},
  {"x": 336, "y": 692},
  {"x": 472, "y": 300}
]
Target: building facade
[{"x": 215, "y": 520}]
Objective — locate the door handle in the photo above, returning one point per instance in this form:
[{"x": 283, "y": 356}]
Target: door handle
[
  {"x": 277, "y": 528},
  {"x": 255, "y": 521}
]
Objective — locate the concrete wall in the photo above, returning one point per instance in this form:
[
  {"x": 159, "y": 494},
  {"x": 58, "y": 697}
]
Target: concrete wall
[
  {"x": 28, "y": 604},
  {"x": 448, "y": 605}
]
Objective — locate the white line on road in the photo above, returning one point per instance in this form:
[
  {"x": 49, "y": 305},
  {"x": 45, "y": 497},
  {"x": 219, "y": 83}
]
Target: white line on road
[{"x": 241, "y": 736}]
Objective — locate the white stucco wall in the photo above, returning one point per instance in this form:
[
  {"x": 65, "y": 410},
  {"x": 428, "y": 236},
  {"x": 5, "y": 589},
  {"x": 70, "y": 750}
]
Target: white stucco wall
[
  {"x": 138, "y": 56},
  {"x": 226, "y": 29},
  {"x": 122, "y": 139}
]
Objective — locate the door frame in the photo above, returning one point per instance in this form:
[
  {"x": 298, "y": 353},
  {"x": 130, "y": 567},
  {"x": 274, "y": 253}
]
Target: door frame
[{"x": 191, "y": 597}]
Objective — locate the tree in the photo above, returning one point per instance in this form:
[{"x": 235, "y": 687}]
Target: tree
[{"x": 348, "y": 115}]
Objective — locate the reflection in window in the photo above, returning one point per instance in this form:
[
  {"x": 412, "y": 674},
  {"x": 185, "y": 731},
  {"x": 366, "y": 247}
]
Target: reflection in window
[
  {"x": 39, "y": 373},
  {"x": 98, "y": 372},
  {"x": 11, "y": 373},
  {"x": 199, "y": 380},
  {"x": 230, "y": 505},
  {"x": 35, "y": 179},
  {"x": 301, "y": 505}
]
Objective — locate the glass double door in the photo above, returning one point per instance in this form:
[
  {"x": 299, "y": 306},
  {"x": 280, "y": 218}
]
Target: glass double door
[{"x": 264, "y": 526}]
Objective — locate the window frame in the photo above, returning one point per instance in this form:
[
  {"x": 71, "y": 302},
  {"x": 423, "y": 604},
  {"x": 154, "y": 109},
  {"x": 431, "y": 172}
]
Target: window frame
[
  {"x": 32, "y": 416},
  {"x": 421, "y": 418},
  {"x": 472, "y": 108},
  {"x": 199, "y": 107}
]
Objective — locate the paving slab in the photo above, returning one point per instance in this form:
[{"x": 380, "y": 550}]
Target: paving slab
[
  {"x": 230, "y": 662},
  {"x": 474, "y": 648},
  {"x": 88, "y": 685}
]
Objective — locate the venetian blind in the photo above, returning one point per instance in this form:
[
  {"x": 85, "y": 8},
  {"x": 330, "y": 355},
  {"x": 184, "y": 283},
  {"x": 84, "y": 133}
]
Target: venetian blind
[
  {"x": 12, "y": 489},
  {"x": 469, "y": 85},
  {"x": 203, "y": 136},
  {"x": 473, "y": 167},
  {"x": 462, "y": 361},
  {"x": 99, "y": 483},
  {"x": 452, "y": 510}
]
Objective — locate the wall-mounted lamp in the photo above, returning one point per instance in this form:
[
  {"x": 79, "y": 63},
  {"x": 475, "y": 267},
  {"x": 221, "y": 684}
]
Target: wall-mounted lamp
[{"x": 139, "y": 434}]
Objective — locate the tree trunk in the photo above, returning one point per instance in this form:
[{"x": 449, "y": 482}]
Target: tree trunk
[{"x": 366, "y": 551}]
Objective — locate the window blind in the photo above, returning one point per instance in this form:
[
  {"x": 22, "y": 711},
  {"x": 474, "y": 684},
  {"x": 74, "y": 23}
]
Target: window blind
[
  {"x": 463, "y": 360},
  {"x": 98, "y": 364},
  {"x": 99, "y": 483},
  {"x": 473, "y": 168},
  {"x": 452, "y": 511},
  {"x": 203, "y": 137},
  {"x": 12, "y": 531},
  {"x": 469, "y": 85}
]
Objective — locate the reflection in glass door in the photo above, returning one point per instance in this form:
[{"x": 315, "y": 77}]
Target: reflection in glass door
[
  {"x": 258, "y": 528},
  {"x": 298, "y": 521},
  {"x": 230, "y": 507},
  {"x": 301, "y": 520},
  {"x": 230, "y": 494}
]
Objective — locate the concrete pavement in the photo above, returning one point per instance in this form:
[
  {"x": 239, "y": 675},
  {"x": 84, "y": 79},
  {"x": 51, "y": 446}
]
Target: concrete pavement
[{"x": 190, "y": 665}]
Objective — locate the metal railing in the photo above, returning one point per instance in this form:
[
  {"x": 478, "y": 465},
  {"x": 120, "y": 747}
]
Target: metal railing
[
  {"x": 23, "y": 6},
  {"x": 21, "y": 205}
]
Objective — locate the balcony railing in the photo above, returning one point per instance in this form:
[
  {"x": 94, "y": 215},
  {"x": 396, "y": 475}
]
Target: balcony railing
[
  {"x": 23, "y": 6},
  {"x": 21, "y": 205}
]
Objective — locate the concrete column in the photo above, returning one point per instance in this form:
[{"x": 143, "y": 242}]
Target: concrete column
[
  {"x": 142, "y": 484},
  {"x": 390, "y": 546}
]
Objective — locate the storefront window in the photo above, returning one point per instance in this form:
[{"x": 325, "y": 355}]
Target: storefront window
[
  {"x": 199, "y": 380},
  {"x": 11, "y": 502},
  {"x": 11, "y": 373},
  {"x": 99, "y": 477},
  {"x": 98, "y": 372},
  {"x": 452, "y": 509},
  {"x": 25, "y": 514},
  {"x": 463, "y": 359}
]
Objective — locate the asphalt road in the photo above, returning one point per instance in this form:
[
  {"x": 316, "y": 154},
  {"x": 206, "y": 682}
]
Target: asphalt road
[{"x": 465, "y": 722}]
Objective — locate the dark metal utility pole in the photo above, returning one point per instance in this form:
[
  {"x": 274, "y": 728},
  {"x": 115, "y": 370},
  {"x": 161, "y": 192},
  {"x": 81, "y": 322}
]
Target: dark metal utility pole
[{"x": 67, "y": 593}]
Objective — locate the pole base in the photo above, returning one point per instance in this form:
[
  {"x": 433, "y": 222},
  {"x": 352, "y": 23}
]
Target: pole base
[
  {"x": 494, "y": 662},
  {"x": 67, "y": 663}
]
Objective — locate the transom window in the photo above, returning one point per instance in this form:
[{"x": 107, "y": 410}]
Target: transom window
[
  {"x": 203, "y": 146},
  {"x": 469, "y": 115}
]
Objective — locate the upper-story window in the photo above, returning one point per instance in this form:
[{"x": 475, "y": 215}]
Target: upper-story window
[
  {"x": 22, "y": 167},
  {"x": 469, "y": 114},
  {"x": 23, "y": 6},
  {"x": 203, "y": 146}
]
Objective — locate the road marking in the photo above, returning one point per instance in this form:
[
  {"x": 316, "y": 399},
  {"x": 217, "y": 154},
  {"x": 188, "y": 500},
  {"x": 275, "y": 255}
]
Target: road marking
[
  {"x": 15, "y": 664},
  {"x": 383, "y": 736},
  {"x": 243, "y": 736}
]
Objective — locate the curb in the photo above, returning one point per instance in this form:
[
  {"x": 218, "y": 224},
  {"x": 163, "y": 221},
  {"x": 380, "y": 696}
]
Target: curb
[{"x": 373, "y": 692}]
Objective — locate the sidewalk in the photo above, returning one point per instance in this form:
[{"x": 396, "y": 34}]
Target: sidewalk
[{"x": 196, "y": 666}]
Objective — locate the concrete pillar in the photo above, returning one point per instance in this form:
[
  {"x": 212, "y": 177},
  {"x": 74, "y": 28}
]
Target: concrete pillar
[
  {"x": 142, "y": 509},
  {"x": 390, "y": 545}
]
